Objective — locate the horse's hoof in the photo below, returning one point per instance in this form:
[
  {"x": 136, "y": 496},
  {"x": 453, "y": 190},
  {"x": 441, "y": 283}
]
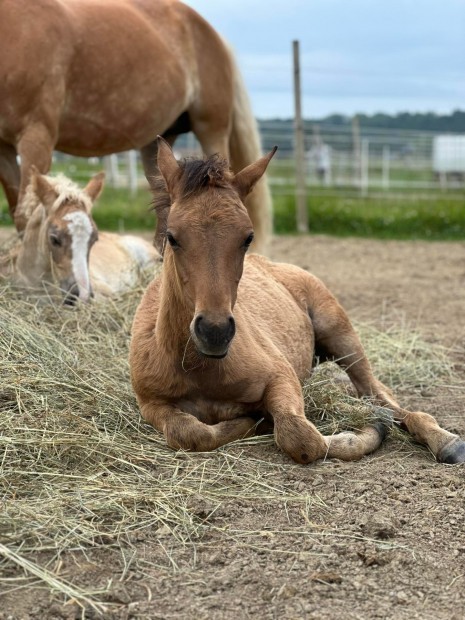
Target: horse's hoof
[
  {"x": 382, "y": 429},
  {"x": 453, "y": 453}
]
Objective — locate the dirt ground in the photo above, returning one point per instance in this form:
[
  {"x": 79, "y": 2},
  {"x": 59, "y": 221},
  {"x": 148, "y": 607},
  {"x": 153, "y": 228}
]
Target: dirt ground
[{"x": 380, "y": 538}]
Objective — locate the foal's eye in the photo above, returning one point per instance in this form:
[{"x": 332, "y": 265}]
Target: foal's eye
[
  {"x": 172, "y": 241},
  {"x": 248, "y": 241},
  {"x": 55, "y": 241}
]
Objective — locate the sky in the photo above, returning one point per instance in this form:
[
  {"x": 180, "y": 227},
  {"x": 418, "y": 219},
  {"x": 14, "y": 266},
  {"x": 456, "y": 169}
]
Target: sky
[{"x": 356, "y": 55}]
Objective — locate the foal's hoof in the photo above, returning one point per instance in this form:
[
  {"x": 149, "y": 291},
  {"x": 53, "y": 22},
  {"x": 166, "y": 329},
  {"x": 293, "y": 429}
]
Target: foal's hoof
[
  {"x": 453, "y": 453},
  {"x": 382, "y": 428},
  {"x": 384, "y": 421}
]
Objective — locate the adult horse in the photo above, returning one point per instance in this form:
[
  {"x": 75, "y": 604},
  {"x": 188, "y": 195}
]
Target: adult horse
[
  {"x": 62, "y": 253},
  {"x": 93, "y": 77},
  {"x": 201, "y": 374}
]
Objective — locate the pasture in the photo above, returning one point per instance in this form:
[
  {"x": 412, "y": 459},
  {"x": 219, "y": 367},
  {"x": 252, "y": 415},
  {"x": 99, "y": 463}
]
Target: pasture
[{"x": 100, "y": 519}]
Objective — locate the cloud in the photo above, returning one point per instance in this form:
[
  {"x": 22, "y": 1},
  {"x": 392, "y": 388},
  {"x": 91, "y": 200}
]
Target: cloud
[{"x": 401, "y": 50}]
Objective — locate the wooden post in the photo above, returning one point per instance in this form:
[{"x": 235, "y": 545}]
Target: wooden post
[
  {"x": 356, "y": 150},
  {"x": 111, "y": 167},
  {"x": 299, "y": 153},
  {"x": 132, "y": 172},
  {"x": 364, "y": 166},
  {"x": 386, "y": 165}
]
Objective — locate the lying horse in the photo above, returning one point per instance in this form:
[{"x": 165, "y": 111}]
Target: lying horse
[
  {"x": 109, "y": 76},
  {"x": 201, "y": 374},
  {"x": 62, "y": 250}
]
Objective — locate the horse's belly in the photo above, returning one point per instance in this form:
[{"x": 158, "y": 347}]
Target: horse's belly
[{"x": 121, "y": 95}]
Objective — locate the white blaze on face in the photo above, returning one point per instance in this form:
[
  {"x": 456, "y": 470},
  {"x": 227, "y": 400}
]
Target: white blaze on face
[{"x": 80, "y": 229}]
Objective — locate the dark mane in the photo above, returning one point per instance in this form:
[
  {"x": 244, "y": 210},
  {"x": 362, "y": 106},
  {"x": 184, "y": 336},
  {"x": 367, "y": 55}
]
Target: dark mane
[{"x": 196, "y": 176}]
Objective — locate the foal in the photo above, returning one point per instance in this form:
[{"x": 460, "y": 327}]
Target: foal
[
  {"x": 220, "y": 339},
  {"x": 62, "y": 250}
]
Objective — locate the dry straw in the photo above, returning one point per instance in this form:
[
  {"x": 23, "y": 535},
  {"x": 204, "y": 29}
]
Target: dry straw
[{"x": 79, "y": 469}]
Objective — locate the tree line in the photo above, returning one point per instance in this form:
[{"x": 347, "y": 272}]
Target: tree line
[{"x": 417, "y": 121}]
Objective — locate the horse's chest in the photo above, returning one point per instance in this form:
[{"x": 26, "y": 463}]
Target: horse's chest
[
  {"x": 243, "y": 390},
  {"x": 212, "y": 398}
]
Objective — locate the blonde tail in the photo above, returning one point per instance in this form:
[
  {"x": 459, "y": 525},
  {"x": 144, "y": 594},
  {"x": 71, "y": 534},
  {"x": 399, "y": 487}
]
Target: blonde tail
[{"x": 244, "y": 149}]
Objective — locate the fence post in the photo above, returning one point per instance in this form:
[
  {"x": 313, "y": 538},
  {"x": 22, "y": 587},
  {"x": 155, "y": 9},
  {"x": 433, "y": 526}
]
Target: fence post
[
  {"x": 356, "y": 151},
  {"x": 386, "y": 165},
  {"x": 299, "y": 154},
  {"x": 364, "y": 166},
  {"x": 132, "y": 172},
  {"x": 111, "y": 168}
]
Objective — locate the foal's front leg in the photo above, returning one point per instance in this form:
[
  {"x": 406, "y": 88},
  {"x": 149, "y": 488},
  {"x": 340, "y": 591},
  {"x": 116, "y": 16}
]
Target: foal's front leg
[
  {"x": 336, "y": 339},
  {"x": 300, "y": 439},
  {"x": 184, "y": 431}
]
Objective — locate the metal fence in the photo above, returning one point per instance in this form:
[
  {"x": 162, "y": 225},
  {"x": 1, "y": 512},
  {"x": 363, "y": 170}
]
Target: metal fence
[{"x": 362, "y": 160}]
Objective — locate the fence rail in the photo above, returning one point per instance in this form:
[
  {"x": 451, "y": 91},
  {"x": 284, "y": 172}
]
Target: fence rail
[{"x": 383, "y": 161}]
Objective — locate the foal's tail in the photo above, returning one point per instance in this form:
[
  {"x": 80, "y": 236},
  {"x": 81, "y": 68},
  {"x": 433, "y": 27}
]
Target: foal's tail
[{"x": 244, "y": 149}]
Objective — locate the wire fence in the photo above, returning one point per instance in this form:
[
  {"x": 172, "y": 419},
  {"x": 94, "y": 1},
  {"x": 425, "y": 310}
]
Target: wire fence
[{"x": 337, "y": 157}]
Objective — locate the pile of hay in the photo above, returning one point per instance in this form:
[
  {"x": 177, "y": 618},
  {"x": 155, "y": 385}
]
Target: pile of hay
[{"x": 80, "y": 469}]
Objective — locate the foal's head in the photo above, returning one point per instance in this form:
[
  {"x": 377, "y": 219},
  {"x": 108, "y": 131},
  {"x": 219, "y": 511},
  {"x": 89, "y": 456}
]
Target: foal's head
[
  {"x": 64, "y": 230},
  {"x": 208, "y": 232}
]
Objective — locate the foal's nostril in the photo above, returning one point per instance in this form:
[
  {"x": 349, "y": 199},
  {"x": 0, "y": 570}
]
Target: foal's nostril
[
  {"x": 198, "y": 325},
  {"x": 230, "y": 329},
  {"x": 71, "y": 295},
  {"x": 69, "y": 301}
]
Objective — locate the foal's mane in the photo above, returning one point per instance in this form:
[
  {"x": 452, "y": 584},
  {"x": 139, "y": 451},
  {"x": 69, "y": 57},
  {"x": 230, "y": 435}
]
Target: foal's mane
[
  {"x": 196, "y": 176},
  {"x": 66, "y": 190}
]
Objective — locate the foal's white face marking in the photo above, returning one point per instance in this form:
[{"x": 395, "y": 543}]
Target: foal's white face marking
[{"x": 80, "y": 229}]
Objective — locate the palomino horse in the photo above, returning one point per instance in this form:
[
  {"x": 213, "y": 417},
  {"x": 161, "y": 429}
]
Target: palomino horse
[
  {"x": 202, "y": 374},
  {"x": 62, "y": 251},
  {"x": 110, "y": 75}
]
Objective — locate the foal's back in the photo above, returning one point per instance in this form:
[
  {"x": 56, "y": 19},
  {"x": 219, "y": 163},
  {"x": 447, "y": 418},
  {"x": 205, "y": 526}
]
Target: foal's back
[{"x": 116, "y": 262}]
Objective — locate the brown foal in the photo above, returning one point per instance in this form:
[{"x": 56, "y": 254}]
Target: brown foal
[{"x": 220, "y": 338}]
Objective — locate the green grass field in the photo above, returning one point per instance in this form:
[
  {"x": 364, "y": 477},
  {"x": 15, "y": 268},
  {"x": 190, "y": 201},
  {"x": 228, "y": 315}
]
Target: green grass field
[{"x": 441, "y": 218}]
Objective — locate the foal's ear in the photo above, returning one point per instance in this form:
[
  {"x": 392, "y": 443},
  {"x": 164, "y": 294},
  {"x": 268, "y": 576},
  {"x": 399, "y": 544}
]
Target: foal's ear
[
  {"x": 245, "y": 180},
  {"x": 167, "y": 165},
  {"x": 95, "y": 186},
  {"x": 42, "y": 188}
]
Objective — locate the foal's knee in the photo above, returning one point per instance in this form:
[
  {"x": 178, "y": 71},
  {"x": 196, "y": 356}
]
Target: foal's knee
[
  {"x": 185, "y": 432},
  {"x": 298, "y": 438}
]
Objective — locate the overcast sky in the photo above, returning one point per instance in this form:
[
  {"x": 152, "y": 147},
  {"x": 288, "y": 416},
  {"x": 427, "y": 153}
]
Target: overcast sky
[{"x": 356, "y": 55}]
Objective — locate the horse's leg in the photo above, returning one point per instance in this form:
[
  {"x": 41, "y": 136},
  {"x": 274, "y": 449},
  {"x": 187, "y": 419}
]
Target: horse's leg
[
  {"x": 35, "y": 147},
  {"x": 336, "y": 339},
  {"x": 9, "y": 175},
  {"x": 184, "y": 431},
  {"x": 300, "y": 439}
]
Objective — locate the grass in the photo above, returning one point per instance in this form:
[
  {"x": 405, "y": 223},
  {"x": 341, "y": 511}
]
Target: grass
[
  {"x": 79, "y": 470},
  {"x": 378, "y": 218}
]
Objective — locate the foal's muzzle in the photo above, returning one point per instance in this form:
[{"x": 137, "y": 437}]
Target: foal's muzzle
[
  {"x": 213, "y": 337},
  {"x": 72, "y": 294}
]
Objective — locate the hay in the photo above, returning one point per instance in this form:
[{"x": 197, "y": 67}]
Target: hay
[{"x": 79, "y": 469}]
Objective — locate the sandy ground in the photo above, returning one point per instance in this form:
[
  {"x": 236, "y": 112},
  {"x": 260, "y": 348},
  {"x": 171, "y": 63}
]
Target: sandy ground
[{"x": 382, "y": 538}]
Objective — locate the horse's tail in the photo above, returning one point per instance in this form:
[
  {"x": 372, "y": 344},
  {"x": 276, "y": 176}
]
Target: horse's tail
[{"x": 244, "y": 149}]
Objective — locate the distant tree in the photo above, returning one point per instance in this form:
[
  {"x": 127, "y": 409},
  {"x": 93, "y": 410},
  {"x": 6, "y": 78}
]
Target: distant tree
[{"x": 416, "y": 121}]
